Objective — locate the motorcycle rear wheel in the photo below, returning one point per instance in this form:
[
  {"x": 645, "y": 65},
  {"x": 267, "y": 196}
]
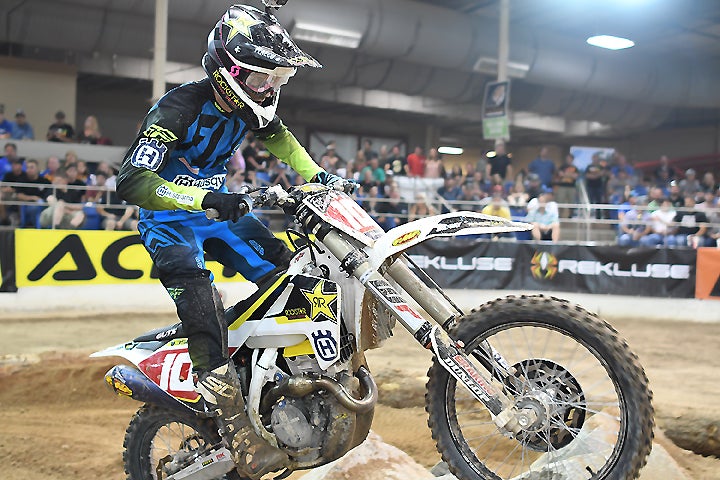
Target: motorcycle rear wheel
[
  {"x": 155, "y": 432},
  {"x": 558, "y": 448}
]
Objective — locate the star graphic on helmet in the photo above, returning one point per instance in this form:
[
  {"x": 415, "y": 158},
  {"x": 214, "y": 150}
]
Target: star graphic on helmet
[
  {"x": 241, "y": 25},
  {"x": 320, "y": 301}
]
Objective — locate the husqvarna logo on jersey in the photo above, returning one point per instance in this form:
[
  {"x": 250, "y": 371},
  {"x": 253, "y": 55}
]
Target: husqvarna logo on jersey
[
  {"x": 214, "y": 182},
  {"x": 544, "y": 266}
]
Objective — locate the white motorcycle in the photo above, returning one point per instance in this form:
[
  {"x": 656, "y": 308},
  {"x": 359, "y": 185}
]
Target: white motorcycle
[{"x": 523, "y": 388}]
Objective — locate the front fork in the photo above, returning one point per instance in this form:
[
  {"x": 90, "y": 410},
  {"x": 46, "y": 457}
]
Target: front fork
[{"x": 450, "y": 354}]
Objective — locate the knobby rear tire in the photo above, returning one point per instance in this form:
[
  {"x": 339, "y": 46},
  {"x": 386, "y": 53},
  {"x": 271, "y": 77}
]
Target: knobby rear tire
[
  {"x": 143, "y": 428},
  {"x": 623, "y": 365}
]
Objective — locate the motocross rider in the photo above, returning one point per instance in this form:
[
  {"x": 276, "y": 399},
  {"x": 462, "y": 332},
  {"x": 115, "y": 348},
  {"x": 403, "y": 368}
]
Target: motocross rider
[{"x": 175, "y": 170}]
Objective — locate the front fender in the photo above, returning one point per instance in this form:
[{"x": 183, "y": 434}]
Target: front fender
[{"x": 402, "y": 237}]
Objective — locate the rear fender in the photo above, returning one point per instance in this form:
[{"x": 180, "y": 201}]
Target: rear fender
[{"x": 408, "y": 235}]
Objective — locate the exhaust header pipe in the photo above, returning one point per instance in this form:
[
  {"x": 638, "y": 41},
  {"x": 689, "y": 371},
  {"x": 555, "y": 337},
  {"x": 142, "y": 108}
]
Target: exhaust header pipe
[{"x": 300, "y": 386}]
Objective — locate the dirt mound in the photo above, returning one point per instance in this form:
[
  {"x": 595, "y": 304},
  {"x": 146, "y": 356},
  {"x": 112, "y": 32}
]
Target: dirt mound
[{"x": 58, "y": 379}]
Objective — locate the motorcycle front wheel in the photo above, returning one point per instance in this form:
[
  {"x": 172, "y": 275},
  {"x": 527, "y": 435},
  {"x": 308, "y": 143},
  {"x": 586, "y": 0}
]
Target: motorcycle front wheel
[
  {"x": 587, "y": 389},
  {"x": 156, "y": 436}
]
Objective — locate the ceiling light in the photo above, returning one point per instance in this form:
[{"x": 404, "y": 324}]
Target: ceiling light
[
  {"x": 450, "y": 150},
  {"x": 610, "y": 42},
  {"x": 491, "y": 154},
  {"x": 326, "y": 35}
]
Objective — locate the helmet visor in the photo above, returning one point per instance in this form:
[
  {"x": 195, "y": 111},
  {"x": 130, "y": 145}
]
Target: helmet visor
[{"x": 261, "y": 82}]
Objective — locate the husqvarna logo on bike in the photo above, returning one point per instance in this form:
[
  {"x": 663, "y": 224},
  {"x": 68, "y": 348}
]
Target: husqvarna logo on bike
[
  {"x": 325, "y": 345},
  {"x": 544, "y": 266}
]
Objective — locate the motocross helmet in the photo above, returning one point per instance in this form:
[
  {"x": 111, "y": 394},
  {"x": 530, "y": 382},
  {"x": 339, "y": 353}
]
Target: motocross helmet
[{"x": 250, "y": 56}]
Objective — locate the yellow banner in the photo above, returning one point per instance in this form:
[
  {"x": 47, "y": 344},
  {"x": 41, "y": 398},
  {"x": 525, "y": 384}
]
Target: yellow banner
[{"x": 82, "y": 257}]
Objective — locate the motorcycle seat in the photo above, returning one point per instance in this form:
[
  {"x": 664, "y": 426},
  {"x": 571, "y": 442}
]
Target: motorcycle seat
[{"x": 163, "y": 333}]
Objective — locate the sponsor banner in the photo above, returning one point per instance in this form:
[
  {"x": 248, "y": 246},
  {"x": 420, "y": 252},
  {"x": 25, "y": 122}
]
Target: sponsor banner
[
  {"x": 613, "y": 270},
  {"x": 82, "y": 257},
  {"x": 7, "y": 261},
  {"x": 707, "y": 283}
]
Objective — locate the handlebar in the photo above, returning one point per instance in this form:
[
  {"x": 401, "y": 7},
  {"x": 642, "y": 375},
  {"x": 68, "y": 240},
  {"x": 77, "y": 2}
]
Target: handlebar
[{"x": 277, "y": 196}]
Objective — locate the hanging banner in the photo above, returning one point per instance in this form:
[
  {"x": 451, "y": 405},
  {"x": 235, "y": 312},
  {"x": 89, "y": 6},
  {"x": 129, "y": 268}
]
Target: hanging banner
[
  {"x": 496, "y": 102},
  {"x": 456, "y": 263},
  {"x": 7, "y": 261}
]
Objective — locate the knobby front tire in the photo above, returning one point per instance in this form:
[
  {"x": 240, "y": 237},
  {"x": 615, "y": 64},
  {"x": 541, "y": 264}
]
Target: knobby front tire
[{"x": 513, "y": 326}]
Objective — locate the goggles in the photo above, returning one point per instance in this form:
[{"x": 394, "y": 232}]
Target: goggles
[{"x": 262, "y": 81}]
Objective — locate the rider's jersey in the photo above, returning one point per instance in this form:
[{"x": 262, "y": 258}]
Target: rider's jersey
[{"x": 183, "y": 147}]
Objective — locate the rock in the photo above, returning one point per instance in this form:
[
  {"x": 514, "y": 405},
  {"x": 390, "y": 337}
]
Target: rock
[
  {"x": 372, "y": 460},
  {"x": 440, "y": 469},
  {"x": 661, "y": 465}
]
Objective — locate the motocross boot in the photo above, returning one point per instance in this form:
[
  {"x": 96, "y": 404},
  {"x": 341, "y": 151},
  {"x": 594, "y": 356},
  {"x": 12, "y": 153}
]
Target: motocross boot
[{"x": 253, "y": 456}]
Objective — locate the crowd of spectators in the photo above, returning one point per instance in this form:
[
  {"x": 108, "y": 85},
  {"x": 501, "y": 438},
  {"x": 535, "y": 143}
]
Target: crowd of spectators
[
  {"x": 58, "y": 131},
  {"x": 63, "y": 193},
  {"x": 662, "y": 207}
]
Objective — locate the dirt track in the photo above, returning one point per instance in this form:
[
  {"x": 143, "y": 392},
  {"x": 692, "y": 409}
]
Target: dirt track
[{"x": 58, "y": 421}]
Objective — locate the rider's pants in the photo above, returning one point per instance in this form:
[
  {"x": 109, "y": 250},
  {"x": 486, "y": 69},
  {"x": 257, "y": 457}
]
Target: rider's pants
[{"x": 177, "y": 245}]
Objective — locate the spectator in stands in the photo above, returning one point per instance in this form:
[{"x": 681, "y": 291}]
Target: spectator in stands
[
  {"x": 660, "y": 221},
  {"x": 708, "y": 183},
  {"x": 518, "y": 198},
  {"x": 10, "y": 215},
  {"x": 109, "y": 173},
  {"x": 622, "y": 165},
  {"x": 500, "y": 164},
  {"x": 376, "y": 171},
  {"x": 546, "y": 224},
  {"x": 330, "y": 160},
  {"x": 450, "y": 191},
  {"x": 433, "y": 165},
  {"x": 498, "y": 208},
  {"x": 5, "y": 124},
  {"x": 62, "y": 211},
  {"x": 83, "y": 173},
  {"x": 60, "y": 130},
  {"x": 471, "y": 194},
  {"x": 393, "y": 212},
  {"x": 7, "y": 160},
  {"x": 564, "y": 185},
  {"x": 415, "y": 163},
  {"x": 629, "y": 203},
  {"x": 534, "y": 186},
  {"x": 235, "y": 180},
  {"x": 91, "y": 133},
  {"x": 71, "y": 174},
  {"x": 368, "y": 151},
  {"x": 655, "y": 198},
  {"x": 71, "y": 158},
  {"x": 115, "y": 218},
  {"x": 383, "y": 155},
  {"x": 633, "y": 227},
  {"x": 690, "y": 185},
  {"x": 396, "y": 162},
  {"x": 691, "y": 228},
  {"x": 367, "y": 181},
  {"x": 676, "y": 197},
  {"x": 250, "y": 154},
  {"x": 543, "y": 167},
  {"x": 37, "y": 191},
  {"x": 596, "y": 175},
  {"x": 708, "y": 201},
  {"x": 713, "y": 233},
  {"x": 278, "y": 173},
  {"x": 618, "y": 186},
  {"x": 420, "y": 208},
  {"x": 52, "y": 168},
  {"x": 21, "y": 129},
  {"x": 664, "y": 173}
]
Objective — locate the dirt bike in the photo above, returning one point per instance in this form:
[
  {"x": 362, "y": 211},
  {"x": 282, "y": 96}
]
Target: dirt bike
[{"x": 523, "y": 388}]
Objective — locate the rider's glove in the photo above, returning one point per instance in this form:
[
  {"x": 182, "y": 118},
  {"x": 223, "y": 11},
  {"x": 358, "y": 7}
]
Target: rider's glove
[
  {"x": 338, "y": 183},
  {"x": 230, "y": 206}
]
